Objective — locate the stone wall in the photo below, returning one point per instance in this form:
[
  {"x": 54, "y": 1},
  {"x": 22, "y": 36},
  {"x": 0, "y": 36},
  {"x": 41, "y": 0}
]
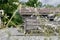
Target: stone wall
[{"x": 8, "y": 34}]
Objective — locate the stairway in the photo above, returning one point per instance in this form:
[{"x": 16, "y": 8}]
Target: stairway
[{"x": 31, "y": 24}]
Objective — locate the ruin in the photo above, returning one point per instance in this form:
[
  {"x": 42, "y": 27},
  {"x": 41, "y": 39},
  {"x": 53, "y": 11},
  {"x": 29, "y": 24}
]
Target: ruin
[{"x": 32, "y": 16}]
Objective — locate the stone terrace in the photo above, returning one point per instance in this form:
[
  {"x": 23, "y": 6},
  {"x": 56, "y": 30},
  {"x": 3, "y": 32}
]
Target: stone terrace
[{"x": 31, "y": 10}]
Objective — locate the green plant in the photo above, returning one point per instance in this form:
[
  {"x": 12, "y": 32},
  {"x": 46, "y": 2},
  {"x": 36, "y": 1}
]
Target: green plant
[
  {"x": 9, "y": 7},
  {"x": 34, "y": 3}
]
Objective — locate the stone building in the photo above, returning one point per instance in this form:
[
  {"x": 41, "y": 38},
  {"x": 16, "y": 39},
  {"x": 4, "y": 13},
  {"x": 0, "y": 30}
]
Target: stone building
[{"x": 30, "y": 16}]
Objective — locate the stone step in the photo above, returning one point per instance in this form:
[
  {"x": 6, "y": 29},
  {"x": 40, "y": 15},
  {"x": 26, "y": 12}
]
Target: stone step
[{"x": 32, "y": 24}]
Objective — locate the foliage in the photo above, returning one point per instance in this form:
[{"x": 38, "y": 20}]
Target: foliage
[
  {"x": 58, "y": 5},
  {"x": 17, "y": 19},
  {"x": 48, "y": 6},
  {"x": 9, "y": 8},
  {"x": 34, "y": 3}
]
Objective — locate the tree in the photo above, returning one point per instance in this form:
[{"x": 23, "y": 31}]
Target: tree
[
  {"x": 3, "y": 1},
  {"x": 58, "y": 5},
  {"x": 48, "y": 6},
  {"x": 9, "y": 7},
  {"x": 34, "y": 3}
]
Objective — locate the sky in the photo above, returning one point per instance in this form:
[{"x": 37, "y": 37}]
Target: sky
[{"x": 51, "y": 2}]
